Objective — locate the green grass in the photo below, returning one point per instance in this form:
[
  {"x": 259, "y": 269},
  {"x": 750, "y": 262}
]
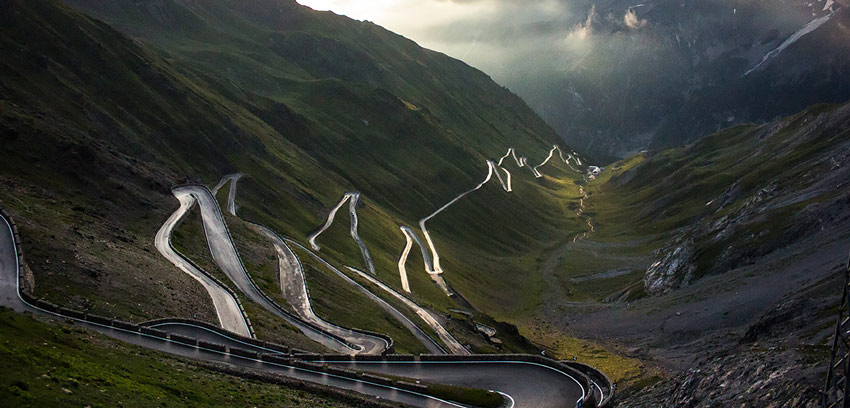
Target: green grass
[
  {"x": 100, "y": 258},
  {"x": 56, "y": 364},
  {"x": 621, "y": 369},
  {"x": 473, "y": 397},
  {"x": 338, "y": 302},
  {"x": 479, "y": 265},
  {"x": 641, "y": 203},
  {"x": 189, "y": 238},
  {"x": 270, "y": 327},
  {"x": 97, "y": 126},
  {"x": 333, "y": 299}
]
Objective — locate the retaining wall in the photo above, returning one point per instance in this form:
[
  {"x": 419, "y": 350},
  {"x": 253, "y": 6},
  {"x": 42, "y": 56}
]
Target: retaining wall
[
  {"x": 252, "y": 341},
  {"x": 597, "y": 376},
  {"x": 17, "y": 237}
]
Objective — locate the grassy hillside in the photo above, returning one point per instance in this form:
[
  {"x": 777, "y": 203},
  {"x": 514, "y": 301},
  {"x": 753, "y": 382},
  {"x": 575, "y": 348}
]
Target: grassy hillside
[
  {"x": 738, "y": 194},
  {"x": 403, "y": 114},
  {"x": 725, "y": 247},
  {"x": 733, "y": 197},
  {"x": 46, "y": 364},
  {"x": 97, "y": 124}
]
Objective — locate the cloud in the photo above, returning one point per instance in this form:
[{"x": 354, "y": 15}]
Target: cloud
[
  {"x": 632, "y": 21},
  {"x": 509, "y": 39},
  {"x": 584, "y": 30}
]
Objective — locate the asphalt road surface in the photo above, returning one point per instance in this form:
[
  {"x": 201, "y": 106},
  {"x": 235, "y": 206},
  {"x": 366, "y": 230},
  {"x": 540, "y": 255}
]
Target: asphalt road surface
[
  {"x": 294, "y": 288},
  {"x": 527, "y": 384},
  {"x": 9, "y": 297},
  {"x": 225, "y": 256},
  {"x": 229, "y": 314}
]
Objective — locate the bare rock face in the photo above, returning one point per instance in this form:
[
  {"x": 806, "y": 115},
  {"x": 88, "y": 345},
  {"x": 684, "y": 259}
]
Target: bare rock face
[
  {"x": 673, "y": 268},
  {"x": 761, "y": 380},
  {"x": 744, "y": 378}
]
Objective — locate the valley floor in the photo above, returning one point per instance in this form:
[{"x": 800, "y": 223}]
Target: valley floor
[{"x": 713, "y": 265}]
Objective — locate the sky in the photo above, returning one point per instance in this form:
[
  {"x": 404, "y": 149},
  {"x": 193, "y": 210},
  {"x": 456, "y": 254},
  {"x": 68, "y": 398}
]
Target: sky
[{"x": 493, "y": 35}]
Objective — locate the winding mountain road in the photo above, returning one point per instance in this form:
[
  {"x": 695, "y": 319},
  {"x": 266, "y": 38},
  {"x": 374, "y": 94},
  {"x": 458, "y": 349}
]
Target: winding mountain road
[
  {"x": 454, "y": 346},
  {"x": 227, "y": 259},
  {"x": 353, "y": 199},
  {"x": 10, "y": 297},
  {"x": 429, "y": 343},
  {"x": 411, "y": 237},
  {"x": 566, "y": 160},
  {"x": 524, "y": 384},
  {"x": 434, "y": 269},
  {"x": 231, "y": 195},
  {"x": 227, "y": 308},
  {"x": 511, "y": 152},
  {"x": 432, "y": 262},
  {"x": 294, "y": 287}
]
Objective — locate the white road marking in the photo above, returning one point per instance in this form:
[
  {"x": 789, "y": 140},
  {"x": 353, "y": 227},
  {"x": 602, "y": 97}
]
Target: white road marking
[{"x": 508, "y": 398}]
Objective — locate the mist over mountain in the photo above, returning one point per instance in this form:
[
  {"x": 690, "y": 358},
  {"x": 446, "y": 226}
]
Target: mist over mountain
[{"x": 614, "y": 77}]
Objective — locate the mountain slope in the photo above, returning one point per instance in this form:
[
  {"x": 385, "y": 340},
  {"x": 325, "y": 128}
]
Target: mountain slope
[
  {"x": 97, "y": 126},
  {"x": 355, "y": 79},
  {"x": 719, "y": 261}
]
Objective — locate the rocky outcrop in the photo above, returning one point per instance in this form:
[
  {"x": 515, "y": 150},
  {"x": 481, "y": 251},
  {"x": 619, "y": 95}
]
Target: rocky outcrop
[
  {"x": 746, "y": 377},
  {"x": 751, "y": 227},
  {"x": 674, "y": 267}
]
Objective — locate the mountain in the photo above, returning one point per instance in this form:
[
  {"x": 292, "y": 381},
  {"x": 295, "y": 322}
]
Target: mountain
[
  {"x": 661, "y": 73},
  {"x": 720, "y": 261},
  {"x": 365, "y": 88},
  {"x": 98, "y": 124},
  {"x": 677, "y": 271}
]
